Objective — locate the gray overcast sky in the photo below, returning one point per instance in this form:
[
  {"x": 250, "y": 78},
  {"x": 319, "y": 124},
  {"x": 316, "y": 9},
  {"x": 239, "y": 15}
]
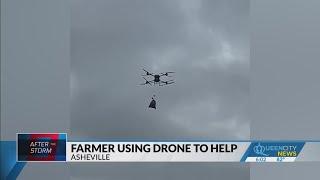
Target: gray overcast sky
[{"x": 206, "y": 42}]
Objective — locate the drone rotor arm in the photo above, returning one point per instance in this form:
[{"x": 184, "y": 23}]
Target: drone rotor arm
[
  {"x": 147, "y": 82},
  {"x": 147, "y": 73},
  {"x": 166, "y": 73},
  {"x": 163, "y": 83}
]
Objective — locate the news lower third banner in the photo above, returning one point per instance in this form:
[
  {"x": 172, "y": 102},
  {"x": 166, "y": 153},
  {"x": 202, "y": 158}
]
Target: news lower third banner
[{"x": 56, "y": 147}]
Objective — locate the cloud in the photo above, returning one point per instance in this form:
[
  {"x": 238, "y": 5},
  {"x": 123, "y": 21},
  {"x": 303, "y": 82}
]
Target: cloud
[
  {"x": 206, "y": 42},
  {"x": 113, "y": 40}
]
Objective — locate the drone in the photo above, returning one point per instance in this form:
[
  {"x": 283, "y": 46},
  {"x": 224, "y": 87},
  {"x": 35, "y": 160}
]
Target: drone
[{"x": 156, "y": 78}]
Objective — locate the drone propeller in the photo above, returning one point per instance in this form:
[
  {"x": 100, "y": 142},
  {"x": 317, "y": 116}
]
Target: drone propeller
[
  {"x": 166, "y": 74},
  {"x": 166, "y": 82},
  {"x": 147, "y": 82},
  {"x": 147, "y": 73}
]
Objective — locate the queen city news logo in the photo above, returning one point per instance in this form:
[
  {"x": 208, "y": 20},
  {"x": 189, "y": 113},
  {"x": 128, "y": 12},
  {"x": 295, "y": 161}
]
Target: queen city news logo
[
  {"x": 275, "y": 149},
  {"x": 41, "y": 147}
]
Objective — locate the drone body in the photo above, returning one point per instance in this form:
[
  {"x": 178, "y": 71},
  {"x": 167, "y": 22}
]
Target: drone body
[{"x": 156, "y": 78}]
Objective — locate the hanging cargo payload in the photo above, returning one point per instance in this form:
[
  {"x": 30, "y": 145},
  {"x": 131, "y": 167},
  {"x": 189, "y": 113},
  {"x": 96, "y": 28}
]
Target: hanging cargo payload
[{"x": 153, "y": 104}]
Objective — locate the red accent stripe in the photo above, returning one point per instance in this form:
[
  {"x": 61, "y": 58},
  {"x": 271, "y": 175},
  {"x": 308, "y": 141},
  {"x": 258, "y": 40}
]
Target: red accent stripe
[{"x": 53, "y": 139}]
